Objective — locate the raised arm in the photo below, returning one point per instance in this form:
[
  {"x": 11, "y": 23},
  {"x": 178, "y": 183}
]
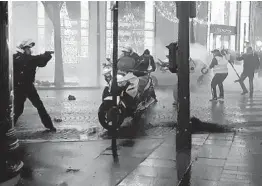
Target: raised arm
[{"x": 40, "y": 60}]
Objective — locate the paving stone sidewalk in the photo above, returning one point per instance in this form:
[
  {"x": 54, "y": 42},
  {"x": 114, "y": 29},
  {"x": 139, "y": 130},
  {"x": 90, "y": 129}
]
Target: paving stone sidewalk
[
  {"x": 216, "y": 160},
  {"x": 226, "y": 159}
]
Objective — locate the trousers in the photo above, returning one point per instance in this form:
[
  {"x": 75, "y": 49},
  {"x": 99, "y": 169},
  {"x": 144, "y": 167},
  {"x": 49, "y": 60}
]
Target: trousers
[
  {"x": 218, "y": 80},
  {"x": 30, "y": 92},
  {"x": 250, "y": 76}
]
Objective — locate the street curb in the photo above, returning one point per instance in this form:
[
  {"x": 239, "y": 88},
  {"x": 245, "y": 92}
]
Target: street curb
[
  {"x": 67, "y": 88},
  {"x": 12, "y": 181},
  {"x": 88, "y": 88}
]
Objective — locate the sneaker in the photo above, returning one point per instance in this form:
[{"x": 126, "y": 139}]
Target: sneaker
[
  {"x": 220, "y": 98},
  {"x": 213, "y": 99},
  {"x": 245, "y": 92}
]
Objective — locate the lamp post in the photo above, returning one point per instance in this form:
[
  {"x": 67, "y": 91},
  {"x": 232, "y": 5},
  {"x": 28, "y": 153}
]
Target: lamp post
[
  {"x": 114, "y": 80},
  {"x": 10, "y": 165},
  {"x": 185, "y": 11}
]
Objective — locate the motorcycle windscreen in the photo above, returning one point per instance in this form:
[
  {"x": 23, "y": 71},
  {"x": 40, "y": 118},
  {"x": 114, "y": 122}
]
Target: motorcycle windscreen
[{"x": 126, "y": 63}]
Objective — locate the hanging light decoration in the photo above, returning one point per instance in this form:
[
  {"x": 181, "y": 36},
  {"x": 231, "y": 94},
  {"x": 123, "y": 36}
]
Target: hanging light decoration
[{"x": 167, "y": 9}]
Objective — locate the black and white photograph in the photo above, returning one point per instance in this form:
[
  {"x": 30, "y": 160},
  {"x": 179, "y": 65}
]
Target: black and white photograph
[{"x": 130, "y": 93}]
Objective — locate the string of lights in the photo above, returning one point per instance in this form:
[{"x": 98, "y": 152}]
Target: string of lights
[{"x": 168, "y": 11}]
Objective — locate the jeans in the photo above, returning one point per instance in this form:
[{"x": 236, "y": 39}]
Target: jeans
[
  {"x": 250, "y": 76},
  {"x": 218, "y": 79}
]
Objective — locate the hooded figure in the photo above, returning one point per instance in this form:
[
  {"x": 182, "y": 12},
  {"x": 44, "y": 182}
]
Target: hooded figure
[{"x": 24, "y": 76}]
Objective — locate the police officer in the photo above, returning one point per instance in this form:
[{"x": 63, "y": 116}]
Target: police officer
[
  {"x": 146, "y": 62},
  {"x": 24, "y": 76}
]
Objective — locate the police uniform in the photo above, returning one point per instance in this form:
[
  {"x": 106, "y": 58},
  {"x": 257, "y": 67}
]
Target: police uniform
[{"x": 24, "y": 77}]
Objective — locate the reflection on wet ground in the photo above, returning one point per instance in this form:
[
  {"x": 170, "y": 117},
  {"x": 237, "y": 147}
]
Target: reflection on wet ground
[{"x": 215, "y": 159}]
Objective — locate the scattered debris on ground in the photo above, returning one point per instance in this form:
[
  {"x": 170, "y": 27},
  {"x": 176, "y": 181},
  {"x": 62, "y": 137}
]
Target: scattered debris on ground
[
  {"x": 71, "y": 98},
  {"x": 57, "y": 120},
  {"x": 70, "y": 170}
]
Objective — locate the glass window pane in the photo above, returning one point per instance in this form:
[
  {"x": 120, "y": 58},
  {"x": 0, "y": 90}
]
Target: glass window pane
[
  {"x": 149, "y": 11},
  {"x": 149, "y": 26},
  {"x": 84, "y": 23},
  {"x": 41, "y": 10},
  {"x": 233, "y": 13},
  {"x": 41, "y": 31},
  {"x": 84, "y": 32},
  {"x": 149, "y": 34},
  {"x": 84, "y": 40},
  {"x": 41, "y": 22},
  {"x": 245, "y": 8},
  {"x": 149, "y": 42},
  {"x": 84, "y": 10},
  {"x": 109, "y": 25},
  {"x": 84, "y": 51},
  {"x": 232, "y": 42}
]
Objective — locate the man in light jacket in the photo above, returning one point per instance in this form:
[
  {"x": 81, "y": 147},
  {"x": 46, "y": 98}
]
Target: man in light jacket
[{"x": 219, "y": 66}]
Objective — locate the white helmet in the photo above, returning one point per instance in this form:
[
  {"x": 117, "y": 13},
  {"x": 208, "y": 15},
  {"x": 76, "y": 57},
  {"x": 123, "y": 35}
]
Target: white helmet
[
  {"x": 127, "y": 49},
  {"x": 26, "y": 43}
]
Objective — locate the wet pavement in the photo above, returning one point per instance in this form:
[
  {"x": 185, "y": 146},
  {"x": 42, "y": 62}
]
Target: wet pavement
[
  {"x": 80, "y": 122},
  {"x": 80, "y": 153},
  {"x": 213, "y": 160}
]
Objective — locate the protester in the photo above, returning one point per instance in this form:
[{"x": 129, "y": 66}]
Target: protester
[
  {"x": 219, "y": 66},
  {"x": 250, "y": 65},
  {"x": 24, "y": 76}
]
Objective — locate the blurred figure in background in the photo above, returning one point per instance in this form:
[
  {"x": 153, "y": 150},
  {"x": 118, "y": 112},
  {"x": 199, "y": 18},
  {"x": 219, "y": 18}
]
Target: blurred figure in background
[
  {"x": 146, "y": 63},
  {"x": 250, "y": 65}
]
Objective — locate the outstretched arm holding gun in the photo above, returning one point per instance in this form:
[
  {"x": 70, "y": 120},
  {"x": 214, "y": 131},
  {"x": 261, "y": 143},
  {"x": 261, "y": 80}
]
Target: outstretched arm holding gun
[{"x": 42, "y": 59}]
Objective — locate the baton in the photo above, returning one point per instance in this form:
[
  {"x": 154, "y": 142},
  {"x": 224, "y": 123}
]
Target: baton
[{"x": 234, "y": 69}]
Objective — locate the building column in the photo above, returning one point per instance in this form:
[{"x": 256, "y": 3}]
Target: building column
[
  {"x": 10, "y": 165},
  {"x": 97, "y": 39}
]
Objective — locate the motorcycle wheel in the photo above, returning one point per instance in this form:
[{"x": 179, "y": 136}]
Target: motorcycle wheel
[
  {"x": 155, "y": 81},
  {"x": 103, "y": 116}
]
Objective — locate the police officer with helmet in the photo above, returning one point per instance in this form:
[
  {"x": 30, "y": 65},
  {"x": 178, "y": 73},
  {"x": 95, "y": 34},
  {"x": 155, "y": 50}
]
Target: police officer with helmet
[{"x": 25, "y": 65}]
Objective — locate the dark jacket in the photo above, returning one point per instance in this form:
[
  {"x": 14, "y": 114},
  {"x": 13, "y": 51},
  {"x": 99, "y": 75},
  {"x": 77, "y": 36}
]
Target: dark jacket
[
  {"x": 251, "y": 62},
  {"x": 25, "y": 67},
  {"x": 135, "y": 56},
  {"x": 145, "y": 61}
]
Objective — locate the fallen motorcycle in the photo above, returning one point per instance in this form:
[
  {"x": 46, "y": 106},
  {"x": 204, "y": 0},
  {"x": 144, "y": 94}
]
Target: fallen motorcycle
[{"x": 129, "y": 104}]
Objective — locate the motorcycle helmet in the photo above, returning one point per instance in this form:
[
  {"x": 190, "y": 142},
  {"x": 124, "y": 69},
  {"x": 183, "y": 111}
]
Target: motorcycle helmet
[
  {"x": 127, "y": 49},
  {"x": 26, "y": 44}
]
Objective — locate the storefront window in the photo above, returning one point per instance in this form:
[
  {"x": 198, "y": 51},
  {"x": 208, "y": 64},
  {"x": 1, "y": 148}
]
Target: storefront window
[
  {"x": 244, "y": 24},
  {"x": 233, "y": 13},
  {"x": 217, "y": 12},
  {"x": 149, "y": 26},
  {"x": 136, "y": 26}
]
